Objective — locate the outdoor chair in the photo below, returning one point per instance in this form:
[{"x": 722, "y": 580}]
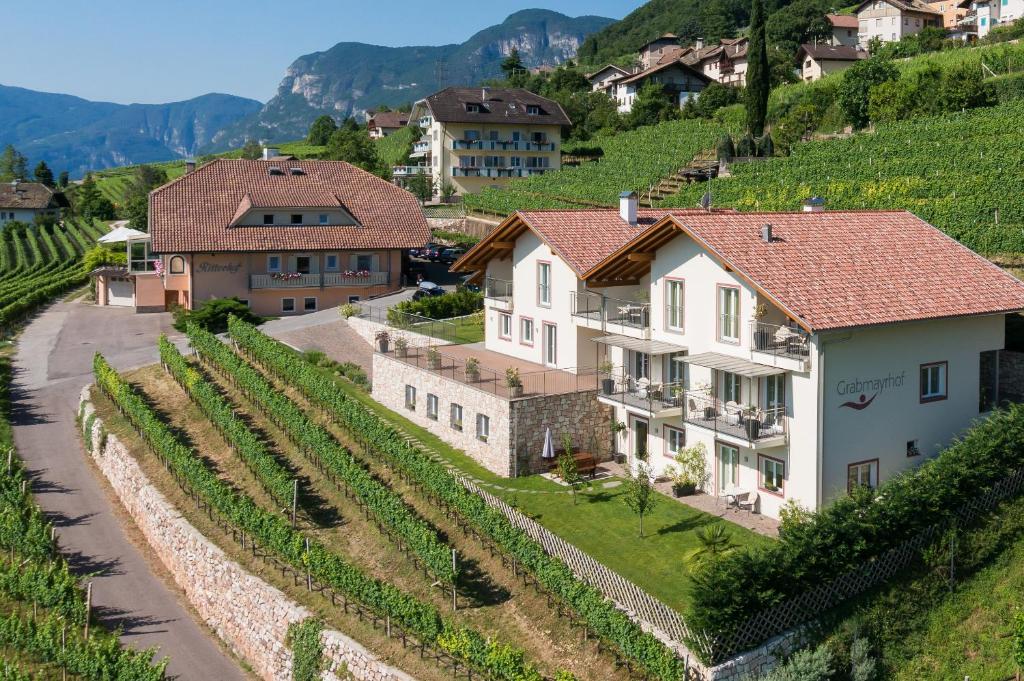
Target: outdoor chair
[{"x": 747, "y": 501}]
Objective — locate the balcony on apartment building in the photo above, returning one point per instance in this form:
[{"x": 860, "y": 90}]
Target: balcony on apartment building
[
  {"x": 498, "y": 293},
  {"x": 409, "y": 171},
  {"x": 473, "y": 171},
  {"x": 421, "y": 146},
  {"x": 503, "y": 145},
  {"x": 779, "y": 345},
  {"x": 278, "y": 280},
  {"x": 612, "y": 315},
  {"x": 655, "y": 400}
]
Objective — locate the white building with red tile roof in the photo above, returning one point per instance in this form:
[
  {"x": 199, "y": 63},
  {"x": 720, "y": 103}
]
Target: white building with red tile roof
[
  {"x": 806, "y": 351},
  {"x": 283, "y": 235}
]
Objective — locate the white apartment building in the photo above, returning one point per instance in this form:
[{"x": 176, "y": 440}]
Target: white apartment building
[
  {"x": 844, "y": 30},
  {"x": 991, "y": 13},
  {"x": 808, "y": 351},
  {"x": 679, "y": 81},
  {"x": 483, "y": 137},
  {"x": 893, "y": 20}
]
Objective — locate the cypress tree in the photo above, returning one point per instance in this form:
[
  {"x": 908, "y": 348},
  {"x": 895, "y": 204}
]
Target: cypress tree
[{"x": 757, "y": 71}]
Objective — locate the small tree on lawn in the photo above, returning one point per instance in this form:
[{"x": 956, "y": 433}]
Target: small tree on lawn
[
  {"x": 567, "y": 468},
  {"x": 639, "y": 493},
  {"x": 715, "y": 541}
]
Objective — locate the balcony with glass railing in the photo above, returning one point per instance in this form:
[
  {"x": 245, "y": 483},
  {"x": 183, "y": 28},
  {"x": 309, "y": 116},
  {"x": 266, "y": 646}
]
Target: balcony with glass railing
[
  {"x": 498, "y": 293},
  {"x": 612, "y": 315},
  {"x": 744, "y": 425}
]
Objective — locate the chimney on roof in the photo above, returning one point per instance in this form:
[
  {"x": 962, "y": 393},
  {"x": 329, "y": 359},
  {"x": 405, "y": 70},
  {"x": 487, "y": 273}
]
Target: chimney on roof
[
  {"x": 484, "y": 94},
  {"x": 270, "y": 152},
  {"x": 698, "y": 44},
  {"x": 766, "y": 233},
  {"x": 627, "y": 207},
  {"x": 815, "y": 204},
  {"x": 190, "y": 165}
]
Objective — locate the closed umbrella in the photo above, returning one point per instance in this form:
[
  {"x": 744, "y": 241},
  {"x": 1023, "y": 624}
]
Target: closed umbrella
[{"x": 549, "y": 446}]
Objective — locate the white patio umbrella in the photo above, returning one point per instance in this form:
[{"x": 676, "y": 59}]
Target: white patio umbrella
[{"x": 549, "y": 446}]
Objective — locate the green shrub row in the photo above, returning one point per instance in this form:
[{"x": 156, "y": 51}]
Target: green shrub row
[
  {"x": 600, "y": 614},
  {"x": 457, "y": 304},
  {"x": 381, "y": 501},
  {"x": 307, "y": 649},
  {"x": 857, "y": 528},
  {"x": 305, "y": 553},
  {"x": 1007, "y": 87},
  {"x": 274, "y": 478}
]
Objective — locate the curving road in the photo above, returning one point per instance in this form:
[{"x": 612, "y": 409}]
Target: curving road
[{"x": 53, "y": 362}]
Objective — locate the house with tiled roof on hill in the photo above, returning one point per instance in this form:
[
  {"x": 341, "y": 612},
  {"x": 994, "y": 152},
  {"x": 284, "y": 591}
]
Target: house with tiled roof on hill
[
  {"x": 803, "y": 353},
  {"x": 893, "y": 20},
  {"x": 27, "y": 201},
  {"x": 384, "y": 123},
  {"x": 286, "y": 237},
  {"x": 817, "y": 61}
]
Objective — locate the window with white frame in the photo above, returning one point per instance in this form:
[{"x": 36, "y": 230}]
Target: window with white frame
[
  {"x": 177, "y": 265},
  {"x": 674, "y": 368},
  {"x": 309, "y": 304},
  {"x": 410, "y": 397},
  {"x": 729, "y": 314},
  {"x": 432, "y": 406},
  {"x": 773, "y": 473},
  {"x": 364, "y": 262},
  {"x": 505, "y": 325},
  {"x": 933, "y": 381},
  {"x": 456, "y": 416},
  {"x": 675, "y": 441},
  {"x": 287, "y": 305},
  {"x": 526, "y": 331},
  {"x": 323, "y": 218},
  {"x": 268, "y": 218},
  {"x": 674, "y": 304},
  {"x": 862, "y": 473},
  {"x": 483, "y": 427},
  {"x": 273, "y": 262},
  {"x": 544, "y": 283}
]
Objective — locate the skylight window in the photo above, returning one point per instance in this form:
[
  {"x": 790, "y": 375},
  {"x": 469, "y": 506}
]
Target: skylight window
[
  {"x": 274, "y": 170},
  {"x": 297, "y": 171}
]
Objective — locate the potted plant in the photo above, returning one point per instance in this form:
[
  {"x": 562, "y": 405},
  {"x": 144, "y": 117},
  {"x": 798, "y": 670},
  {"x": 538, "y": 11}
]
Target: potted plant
[
  {"x": 383, "y": 340},
  {"x": 513, "y": 382},
  {"x": 761, "y": 335},
  {"x": 607, "y": 383},
  {"x": 433, "y": 358},
  {"x": 472, "y": 369},
  {"x": 750, "y": 422},
  {"x": 690, "y": 470},
  {"x": 401, "y": 346}
]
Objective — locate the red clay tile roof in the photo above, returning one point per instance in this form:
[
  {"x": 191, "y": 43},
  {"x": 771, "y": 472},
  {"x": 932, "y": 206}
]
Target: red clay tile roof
[
  {"x": 657, "y": 68},
  {"x": 502, "y": 106},
  {"x": 194, "y": 212},
  {"x": 842, "y": 269},
  {"x": 832, "y": 53},
  {"x": 843, "y": 20},
  {"x": 29, "y": 196},
  {"x": 388, "y": 119}
]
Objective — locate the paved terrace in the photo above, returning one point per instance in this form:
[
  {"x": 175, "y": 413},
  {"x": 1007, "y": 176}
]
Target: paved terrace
[{"x": 536, "y": 379}]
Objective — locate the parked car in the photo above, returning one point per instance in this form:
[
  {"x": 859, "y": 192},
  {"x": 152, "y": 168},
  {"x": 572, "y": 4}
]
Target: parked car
[
  {"x": 466, "y": 285},
  {"x": 427, "y": 289},
  {"x": 424, "y": 252},
  {"x": 433, "y": 254},
  {"x": 450, "y": 255}
]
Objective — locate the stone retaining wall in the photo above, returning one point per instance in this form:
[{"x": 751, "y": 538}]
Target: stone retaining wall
[
  {"x": 249, "y": 615},
  {"x": 579, "y": 414},
  {"x": 368, "y": 329}
]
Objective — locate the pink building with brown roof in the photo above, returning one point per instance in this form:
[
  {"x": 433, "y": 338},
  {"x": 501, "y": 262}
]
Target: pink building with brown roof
[
  {"x": 284, "y": 236},
  {"x": 805, "y": 353}
]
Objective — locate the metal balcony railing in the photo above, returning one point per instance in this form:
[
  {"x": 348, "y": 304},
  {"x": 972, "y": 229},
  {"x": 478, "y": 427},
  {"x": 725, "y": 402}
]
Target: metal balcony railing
[
  {"x": 405, "y": 171},
  {"x": 597, "y": 307},
  {"x": 780, "y": 341},
  {"x": 642, "y": 393},
  {"x": 502, "y": 145},
  {"x": 747, "y": 422}
]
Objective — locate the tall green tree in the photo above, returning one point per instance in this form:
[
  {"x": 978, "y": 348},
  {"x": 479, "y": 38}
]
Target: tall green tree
[
  {"x": 63, "y": 179},
  {"x": 854, "y": 96},
  {"x": 512, "y": 65},
  {"x": 351, "y": 143},
  {"x": 43, "y": 174},
  {"x": 145, "y": 179},
  {"x": 13, "y": 165},
  {"x": 251, "y": 149},
  {"x": 321, "y": 130},
  {"x": 89, "y": 203},
  {"x": 652, "y": 105},
  {"x": 758, "y": 72}
]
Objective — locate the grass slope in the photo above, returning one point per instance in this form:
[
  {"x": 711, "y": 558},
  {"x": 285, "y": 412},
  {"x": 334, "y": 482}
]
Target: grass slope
[{"x": 958, "y": 172}]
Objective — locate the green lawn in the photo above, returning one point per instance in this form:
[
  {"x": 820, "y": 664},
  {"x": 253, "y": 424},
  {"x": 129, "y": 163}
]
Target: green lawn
[
  {"x": 459, "y": 331},
  {"x": 599, "y": 523}
]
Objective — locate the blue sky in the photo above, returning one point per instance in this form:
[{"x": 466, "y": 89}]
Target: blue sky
[{"x": 147, "y": 51}]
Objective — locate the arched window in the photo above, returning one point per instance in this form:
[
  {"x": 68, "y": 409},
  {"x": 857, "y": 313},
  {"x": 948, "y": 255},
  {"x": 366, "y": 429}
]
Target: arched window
[{"x": 177, "y": 265}]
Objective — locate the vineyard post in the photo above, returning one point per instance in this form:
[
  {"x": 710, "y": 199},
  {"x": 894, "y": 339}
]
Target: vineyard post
[
  {"x": 455, "y": 604},
  {"x": 309, "y": 577},
  {"x": 295, "y": 501},
  {"x": 63, "y": 647},
  {"x": 10, "y": 458},
  {"x": 88, "y": 608}
]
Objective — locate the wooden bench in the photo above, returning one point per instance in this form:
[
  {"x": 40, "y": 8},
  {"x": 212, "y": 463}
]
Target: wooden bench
[{"x": 586, "y": 464}]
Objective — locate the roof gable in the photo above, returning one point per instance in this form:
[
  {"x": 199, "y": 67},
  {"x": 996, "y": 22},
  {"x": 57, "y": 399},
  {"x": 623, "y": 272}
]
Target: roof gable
[
  {"x": 28, "y": 196},
  {"x": 494, "y": 106}
]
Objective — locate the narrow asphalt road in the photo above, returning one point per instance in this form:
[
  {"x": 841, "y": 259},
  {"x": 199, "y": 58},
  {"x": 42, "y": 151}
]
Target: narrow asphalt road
[{"x": 53, "y": 363}]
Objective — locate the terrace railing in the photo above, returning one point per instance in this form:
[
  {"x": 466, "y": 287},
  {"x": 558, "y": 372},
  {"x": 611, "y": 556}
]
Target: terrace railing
[
  {"x": 498, "y": 289},
  {"x": 597, "y": 307},
  {"x": 780, "y": 341},
  {"x": 642, "y": 394},
  {"x": 441, "y": 329},
  {"x": 751, "y": 423}
]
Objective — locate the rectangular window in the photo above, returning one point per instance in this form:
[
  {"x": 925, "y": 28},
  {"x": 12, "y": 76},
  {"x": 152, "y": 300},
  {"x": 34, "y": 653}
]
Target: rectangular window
[
  {"x": 273, "y": 263},
  {"x": 244, "y": 301},
  {"x": 353, "y": 299},
  {"x": 287, "y": 305},
  {"x": 471, "y": 135},
  {"x": 410, "y": 397},
  {"x": 526, "y": 331},
  {"x": 674, "y": 304},
  {"x": 432, "y": 406},
  {"x": 731, "y": 388},
  {"x": 456, "y": 416},
  {"x": 773, "y": 474},
  {"x": 483, "y": 427},
  {"x": 364, "y": 263},
  {"x": 331, "y": 262},
  {"x": 728, "y": 467},
  {"x": 544, "y": 284},
  {"x": 674, "y": 368},
  {"x": 268, "y": 219},
  {"x": 296, "y": 218},
  {"x": 309, "y": 304},
  {"x": 515, "y": 162},
  {"x": 516, "y": 135},
  {"x": 675, "y": 441},
  {"x": 505, "y": 326},
  {"x": 862, "y": 473},
  {"x": 729, "y": 314},
  {"x": 323, "y": 218},
  {"x": 640, "y": 365},
  {"x": 933, "y": 381}
]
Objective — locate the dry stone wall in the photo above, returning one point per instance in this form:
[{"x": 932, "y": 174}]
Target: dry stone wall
[
  {"x": 587, "y": 421},
  {"x": 249, "y": 615}
]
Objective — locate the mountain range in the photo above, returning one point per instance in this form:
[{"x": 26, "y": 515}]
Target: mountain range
[
  {"x": 77, "y": 135},
  {"x": 351, "y": 78}
]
